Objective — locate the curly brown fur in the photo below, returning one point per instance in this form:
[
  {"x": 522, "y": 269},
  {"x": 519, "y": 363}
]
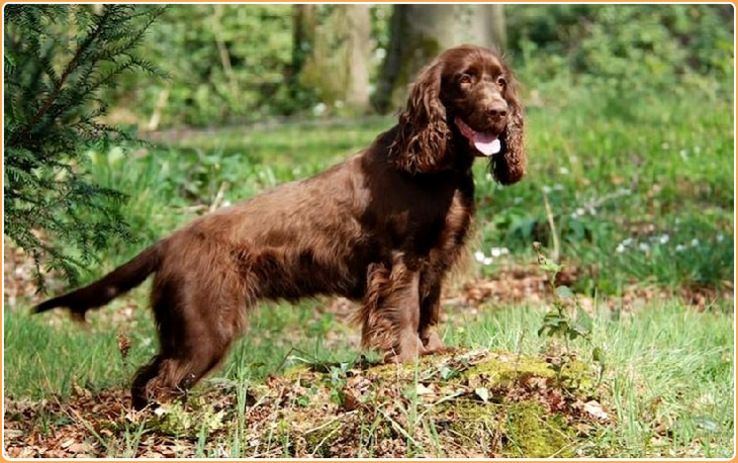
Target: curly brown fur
[
  {"x": 510, "y": 167},
  {"x": 384, "y": 227}
]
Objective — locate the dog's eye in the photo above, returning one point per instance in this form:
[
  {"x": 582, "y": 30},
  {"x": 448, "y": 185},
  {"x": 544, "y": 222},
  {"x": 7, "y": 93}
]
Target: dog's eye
[
  {"x": 501, "y": 81},
  {"x": 465, "y": 79}
]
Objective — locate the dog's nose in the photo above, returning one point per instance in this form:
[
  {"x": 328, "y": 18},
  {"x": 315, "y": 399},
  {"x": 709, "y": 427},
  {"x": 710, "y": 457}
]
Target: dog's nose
[{"x": 497, "y": 109}]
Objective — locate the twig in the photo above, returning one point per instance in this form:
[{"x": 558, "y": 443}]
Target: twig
[
  {"x": 323, "y": 440},
  {"x": 218, "y": 197},
  {"x": 554, "y": 233},
  {"x": 399, "y": 428},
  {"x": 602, "y": 200},
  {"x": 438, "y": 402}
]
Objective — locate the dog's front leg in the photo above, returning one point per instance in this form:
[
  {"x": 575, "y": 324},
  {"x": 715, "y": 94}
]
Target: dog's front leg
[
  {"x": 391, "y": 312},
  {"x": 430, "y": 308},
  {"x": 407, "y": 345}
]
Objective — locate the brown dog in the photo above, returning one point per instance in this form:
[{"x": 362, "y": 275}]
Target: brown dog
[{"x": 384, "y": 227}]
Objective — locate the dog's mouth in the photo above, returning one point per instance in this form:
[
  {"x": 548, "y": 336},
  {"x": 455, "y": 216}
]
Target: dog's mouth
[{"x": 486, "y": 143}]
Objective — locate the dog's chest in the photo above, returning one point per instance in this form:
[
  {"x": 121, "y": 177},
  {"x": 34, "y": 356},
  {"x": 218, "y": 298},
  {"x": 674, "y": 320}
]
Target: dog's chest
[{"x": 437, "y": 220}]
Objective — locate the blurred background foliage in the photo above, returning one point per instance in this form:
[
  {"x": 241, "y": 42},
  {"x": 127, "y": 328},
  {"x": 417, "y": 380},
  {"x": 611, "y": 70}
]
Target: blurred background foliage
[
  {"x": 629, "y": 113},
  {"x": 231, "y": 64}
]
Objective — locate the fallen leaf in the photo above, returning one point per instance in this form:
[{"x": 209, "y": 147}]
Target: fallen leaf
[
  {"x": 420, "y": 389},
  {"x": 595, "y": 410}
]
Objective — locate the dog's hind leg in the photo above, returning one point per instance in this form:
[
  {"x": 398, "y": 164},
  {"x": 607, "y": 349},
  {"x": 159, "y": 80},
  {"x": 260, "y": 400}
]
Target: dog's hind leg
[
  {"x": 196, "y": 329},
  {"x": 139, "y": 391},
  {"x": 178, "y": 367}
]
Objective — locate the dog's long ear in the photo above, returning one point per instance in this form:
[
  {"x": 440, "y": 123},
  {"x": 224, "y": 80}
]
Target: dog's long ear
[
  {"x": 509, "y": 164},
  {"x": 421, "y": 141}
]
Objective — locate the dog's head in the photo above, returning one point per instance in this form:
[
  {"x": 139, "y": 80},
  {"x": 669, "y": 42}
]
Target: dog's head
[{"x": 463, "y": 104}]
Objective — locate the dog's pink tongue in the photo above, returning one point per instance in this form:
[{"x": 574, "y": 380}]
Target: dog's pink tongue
[{"x": 486, "y": 144}]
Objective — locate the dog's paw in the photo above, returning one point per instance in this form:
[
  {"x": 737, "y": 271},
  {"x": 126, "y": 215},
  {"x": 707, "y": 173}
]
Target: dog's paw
[
  {"x": 441, "y": 350},
  {"x": 432, "y": 343},
  {"x": 409, "y": 348}
]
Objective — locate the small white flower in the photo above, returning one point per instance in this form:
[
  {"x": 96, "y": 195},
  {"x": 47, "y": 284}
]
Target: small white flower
[
  {"x": 695, "y": 242},
  {"x": 563, "y": 170},
  {"x": 479, "y": 256},
  {"x": 497, "y": 252},
  {"x": 644, "y": 247},
  {"x": 487, "y": 261},
  {"x": 319, "y": 108},
  {"x": 719, "y": 238},
  {"x": 624, "y": 245},
  {"x": 663, "y": 239},
  {"x": 680, "y": 248},
  {"x": 580, "y": 211},
  {"x": 546, "y": 189}
]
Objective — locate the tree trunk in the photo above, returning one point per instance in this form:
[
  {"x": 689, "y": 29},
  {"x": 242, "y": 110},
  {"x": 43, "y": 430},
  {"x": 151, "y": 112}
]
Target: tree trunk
[
  {"x": 496, "y": 30},
  {"x": 338, "y": 64},
  {"x": 419, "y": 32},
  {"x": 304, "y": 24},
  {"x": 357, "y": 58}
]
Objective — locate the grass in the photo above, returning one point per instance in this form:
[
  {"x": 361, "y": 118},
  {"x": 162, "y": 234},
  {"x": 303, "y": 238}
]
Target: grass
[
  {"x": 668, "y": 371},
  {"x": 642, "y": 205},
  {"x": 669, "y": 375}
]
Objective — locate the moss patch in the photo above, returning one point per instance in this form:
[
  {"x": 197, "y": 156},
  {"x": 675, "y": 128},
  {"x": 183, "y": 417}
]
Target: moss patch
[{"x": 534, "y": 433}]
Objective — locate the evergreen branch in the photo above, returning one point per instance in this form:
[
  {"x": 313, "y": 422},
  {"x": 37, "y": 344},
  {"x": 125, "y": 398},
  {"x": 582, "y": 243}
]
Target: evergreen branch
[
  {"x": 71, "y": 66},
  {"x": 46, "y": 188}
]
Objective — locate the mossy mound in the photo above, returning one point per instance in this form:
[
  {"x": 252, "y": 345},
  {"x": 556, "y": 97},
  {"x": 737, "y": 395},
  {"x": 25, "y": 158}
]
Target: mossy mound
[{"x": 465, "y": 404}]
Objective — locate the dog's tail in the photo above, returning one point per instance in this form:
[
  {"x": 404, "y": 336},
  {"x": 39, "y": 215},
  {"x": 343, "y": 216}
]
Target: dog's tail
[{"x": 112, "y": 285}]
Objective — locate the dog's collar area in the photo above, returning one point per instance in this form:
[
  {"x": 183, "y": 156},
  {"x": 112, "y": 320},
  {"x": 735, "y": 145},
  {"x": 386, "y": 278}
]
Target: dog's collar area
[{"x": 485, "y": 143}]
